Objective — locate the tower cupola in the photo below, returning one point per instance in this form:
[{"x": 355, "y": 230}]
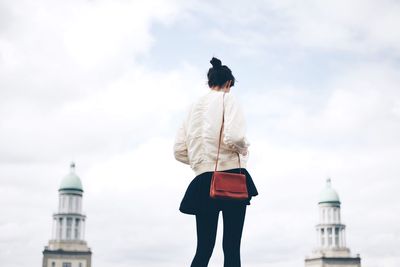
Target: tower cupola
[
  {"x": 328, "y": 194},
  {"x": 71, "y": 181}
]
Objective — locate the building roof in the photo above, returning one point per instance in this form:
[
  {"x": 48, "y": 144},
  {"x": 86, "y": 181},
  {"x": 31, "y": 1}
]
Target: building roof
[
  {"x": 71, "y": 181},
  {"x": 328, "y": 194}
]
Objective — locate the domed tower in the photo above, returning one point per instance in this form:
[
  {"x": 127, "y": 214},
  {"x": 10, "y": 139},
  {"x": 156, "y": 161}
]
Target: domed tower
[
  {"x": 331, "y": 250},
  {"x": 67, "y": 248}
]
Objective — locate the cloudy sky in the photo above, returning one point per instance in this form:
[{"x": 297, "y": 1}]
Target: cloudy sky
[{"x": 107, "y": 83}]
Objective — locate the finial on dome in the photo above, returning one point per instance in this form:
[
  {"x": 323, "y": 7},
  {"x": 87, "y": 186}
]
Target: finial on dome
[
  {"x": 72, "y": 166},
  {"x": 328, "y": 181}
]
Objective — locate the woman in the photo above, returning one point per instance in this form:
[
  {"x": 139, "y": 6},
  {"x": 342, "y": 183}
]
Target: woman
[{"x": 196, "y": 144}]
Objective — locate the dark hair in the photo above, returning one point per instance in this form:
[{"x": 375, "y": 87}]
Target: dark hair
[{"x": 219, "y": 74}]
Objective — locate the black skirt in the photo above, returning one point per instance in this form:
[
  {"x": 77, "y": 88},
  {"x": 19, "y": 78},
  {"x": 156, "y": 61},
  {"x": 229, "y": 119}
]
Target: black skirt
[{"x": 197, "y": 196}]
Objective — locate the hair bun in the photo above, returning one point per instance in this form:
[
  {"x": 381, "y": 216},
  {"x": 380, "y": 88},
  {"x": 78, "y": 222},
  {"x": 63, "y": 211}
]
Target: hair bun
[{"x": 216, "y": 63}]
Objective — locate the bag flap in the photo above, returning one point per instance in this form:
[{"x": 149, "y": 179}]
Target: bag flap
[{"x": 231, "y": 182}]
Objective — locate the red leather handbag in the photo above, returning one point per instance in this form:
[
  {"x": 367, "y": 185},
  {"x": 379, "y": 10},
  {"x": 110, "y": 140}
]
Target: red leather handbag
[{"x": 227, "y": 185}]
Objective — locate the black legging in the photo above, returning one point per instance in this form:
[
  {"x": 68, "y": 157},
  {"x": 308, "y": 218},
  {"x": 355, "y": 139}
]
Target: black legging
[{"x": 207, "y": 223}]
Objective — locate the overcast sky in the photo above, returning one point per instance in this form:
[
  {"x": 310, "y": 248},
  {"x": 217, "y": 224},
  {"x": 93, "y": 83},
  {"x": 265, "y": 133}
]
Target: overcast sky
[{"x": 107, "y": 83}]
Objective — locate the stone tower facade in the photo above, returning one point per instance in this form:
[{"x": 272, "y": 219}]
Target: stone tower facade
[{"x": 68, "y": 247}]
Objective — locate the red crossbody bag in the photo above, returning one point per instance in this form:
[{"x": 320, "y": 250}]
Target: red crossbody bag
[{"x": 227, "y": 185}]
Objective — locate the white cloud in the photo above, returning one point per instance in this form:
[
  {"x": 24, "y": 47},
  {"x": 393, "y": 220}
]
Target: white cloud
[
  {"x": 56, "y": 51},
  {"x": 129, "y": 110},
  {"x": 361, "y": 27}
]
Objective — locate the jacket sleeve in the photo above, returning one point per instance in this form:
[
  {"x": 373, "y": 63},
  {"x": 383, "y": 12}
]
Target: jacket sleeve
[
  {"x": 235, "y": 126},
  {"x": 180, "y": 148}
]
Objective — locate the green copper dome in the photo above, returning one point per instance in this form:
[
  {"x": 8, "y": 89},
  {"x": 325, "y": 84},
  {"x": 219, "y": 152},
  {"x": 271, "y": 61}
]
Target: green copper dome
[
  {"x": 329, "y": 195},
  {"x": 71, "y": 181}
]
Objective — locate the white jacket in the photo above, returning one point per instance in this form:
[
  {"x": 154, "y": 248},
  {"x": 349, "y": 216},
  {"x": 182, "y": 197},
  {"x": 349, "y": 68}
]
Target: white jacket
[{"x": 196, "y": 142}]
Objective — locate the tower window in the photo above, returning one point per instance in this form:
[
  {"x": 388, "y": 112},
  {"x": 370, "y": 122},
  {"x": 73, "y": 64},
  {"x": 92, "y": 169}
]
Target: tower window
[
  {"x": 53, "y": 264},
  {"x": 66, "y": 264}
]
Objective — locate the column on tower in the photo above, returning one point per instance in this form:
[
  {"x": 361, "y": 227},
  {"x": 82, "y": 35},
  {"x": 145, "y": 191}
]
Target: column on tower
[
  {"x": 322, "y": 237},
  {"x": 64, "y": 228},
  {"x": 329, "y": 215},
  {"x": 341, "y": 237},
  {"x": 328, "y": 211},
  {"x": 62, "y": 203},
  {"x": 83, "y": 228},
  {"x": 70, "y": 203},
  {"x": 77, "y": 231},
  {"x": 80, "y": 205},
  {"x": 334, "y": 215},
  {"x": 337, "y": 232},
  {"x": 344, "y": 237},
  {"x": 69, "y": 227},
  {"x": 327, "y": 236},
  {"x": 59, "y": 228}
]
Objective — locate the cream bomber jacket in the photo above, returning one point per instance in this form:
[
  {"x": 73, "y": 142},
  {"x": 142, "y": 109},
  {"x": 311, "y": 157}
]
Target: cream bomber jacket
[{"x": 196, "y": 141}]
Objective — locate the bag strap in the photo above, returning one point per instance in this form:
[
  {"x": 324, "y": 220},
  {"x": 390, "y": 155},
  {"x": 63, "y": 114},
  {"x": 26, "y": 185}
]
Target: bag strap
[{"x": 220, "y": 135}]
